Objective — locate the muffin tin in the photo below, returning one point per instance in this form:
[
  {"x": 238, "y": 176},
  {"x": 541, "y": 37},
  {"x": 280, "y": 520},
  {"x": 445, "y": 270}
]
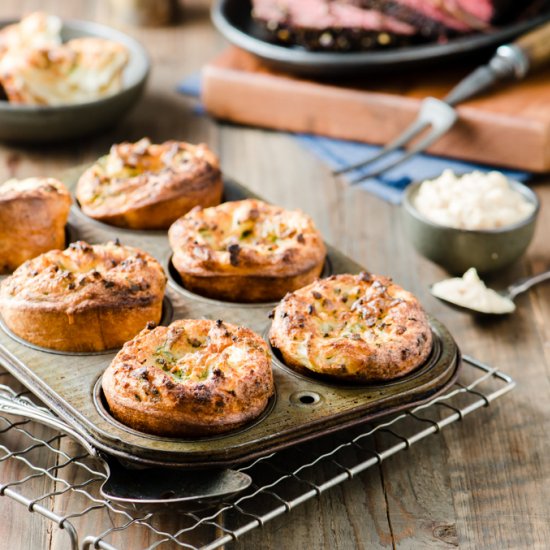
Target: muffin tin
[{"x": 302, "y": 408}]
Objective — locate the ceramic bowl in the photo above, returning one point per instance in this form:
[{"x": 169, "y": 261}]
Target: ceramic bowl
[
  {"x": 457, "y": 250},
  {"x": 36, "y": 123}
]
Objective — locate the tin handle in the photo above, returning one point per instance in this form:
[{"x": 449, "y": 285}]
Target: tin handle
[{"x": 10, "y": 404}]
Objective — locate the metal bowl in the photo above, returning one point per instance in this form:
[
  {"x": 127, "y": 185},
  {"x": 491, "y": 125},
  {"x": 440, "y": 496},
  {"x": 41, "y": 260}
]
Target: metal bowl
[
  {"x": 37, "y": 123},
  {"x": 457, "y": 250}
]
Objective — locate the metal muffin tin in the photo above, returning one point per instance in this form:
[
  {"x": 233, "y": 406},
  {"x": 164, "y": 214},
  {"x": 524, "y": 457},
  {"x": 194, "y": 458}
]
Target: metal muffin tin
[{"x": 303, "y": 407}]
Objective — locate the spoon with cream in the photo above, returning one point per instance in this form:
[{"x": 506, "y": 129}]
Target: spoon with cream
[{"x": 470, "y": 294}]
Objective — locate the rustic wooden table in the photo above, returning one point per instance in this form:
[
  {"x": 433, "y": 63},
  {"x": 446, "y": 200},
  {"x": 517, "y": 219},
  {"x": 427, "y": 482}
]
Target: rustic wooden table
[{"x": 482, "y": 483}]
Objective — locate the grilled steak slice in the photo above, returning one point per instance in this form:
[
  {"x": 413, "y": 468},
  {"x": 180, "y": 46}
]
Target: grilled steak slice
[
  {"x": 454, "y": 17},
  {"x": 341, "y": 25},
  {"x": 437, "y": 19},
  {"x": 331, "y": 25}
]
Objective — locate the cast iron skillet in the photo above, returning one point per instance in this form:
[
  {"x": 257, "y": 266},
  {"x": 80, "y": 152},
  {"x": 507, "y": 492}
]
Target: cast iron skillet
[{"x": 233, "y": 19}]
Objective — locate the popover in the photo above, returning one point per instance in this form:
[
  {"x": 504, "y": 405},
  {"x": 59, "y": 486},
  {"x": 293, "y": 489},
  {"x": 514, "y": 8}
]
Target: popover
[
  {"x": 84, "y": 298},
  {"x": 36, "y": 68},
  {"x": 33, "y": 215},
  {"x": 148, "y": 186},
  {"x": 357, "y": 328},
  {"x": 246, "y": 251},
  {"x": 34, "y": 31},
  {"x": 192, "y": 378}
]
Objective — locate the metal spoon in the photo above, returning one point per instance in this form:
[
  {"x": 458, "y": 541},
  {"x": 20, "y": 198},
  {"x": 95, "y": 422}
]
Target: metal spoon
[
  {"x": 511, "y": 292},
  {"x": 162, "y": 488},
  {"x": 144, "y": 488}
]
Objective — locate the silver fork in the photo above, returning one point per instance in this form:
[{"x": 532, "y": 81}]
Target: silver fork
[{"x": 514, "y": 60}]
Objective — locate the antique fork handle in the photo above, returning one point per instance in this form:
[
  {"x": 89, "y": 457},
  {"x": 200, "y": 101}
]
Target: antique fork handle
[
  {"x": 10, "y": 404},
  {"x": 530, "y": 51}
]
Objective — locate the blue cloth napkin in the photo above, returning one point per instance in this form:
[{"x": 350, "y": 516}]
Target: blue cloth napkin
[{"x": 337, "y": 153}]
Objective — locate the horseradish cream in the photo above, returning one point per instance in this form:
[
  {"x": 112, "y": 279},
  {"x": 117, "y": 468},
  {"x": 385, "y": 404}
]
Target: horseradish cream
[
  {"x": 476, "y": 200},
  {"x": 470, "y": 291}
]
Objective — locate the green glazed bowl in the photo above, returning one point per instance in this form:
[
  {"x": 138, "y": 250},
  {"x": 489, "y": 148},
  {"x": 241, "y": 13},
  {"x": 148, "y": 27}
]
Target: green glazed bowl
[
  {"x": 40, "y": 124},
  {"x": 457, "y": 250}
]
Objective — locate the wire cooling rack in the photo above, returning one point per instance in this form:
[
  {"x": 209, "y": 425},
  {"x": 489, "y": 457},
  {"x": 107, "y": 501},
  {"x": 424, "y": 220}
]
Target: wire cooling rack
[{"x": 281, "y": 481}]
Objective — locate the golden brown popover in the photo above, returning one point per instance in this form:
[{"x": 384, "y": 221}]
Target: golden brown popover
[
  {"x": 84, "y": 298},
  {"x": 192, "y": 378},
  {"x": 36, "y": 68},
  {"x": 38, "y": 30},
  {"x": 33, "y": 215},
  {"x": 358, "y": 328},
  {"x": 246, "y": 251},
  {"x": 148, "y": 186}
]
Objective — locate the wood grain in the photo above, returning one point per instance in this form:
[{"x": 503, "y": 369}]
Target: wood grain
[
  {"x": 482, "y": 483},
  {"x": 507, "y": 126}
]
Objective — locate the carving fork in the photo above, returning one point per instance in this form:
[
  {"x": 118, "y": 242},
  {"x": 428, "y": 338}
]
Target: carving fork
[{"x": 511, "y": 61}]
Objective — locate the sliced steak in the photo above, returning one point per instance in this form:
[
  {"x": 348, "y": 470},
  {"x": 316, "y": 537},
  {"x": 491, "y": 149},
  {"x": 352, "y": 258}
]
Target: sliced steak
[
  {"x": 342, "y": 25},
  {"x": 454, "y": 16},
  {"x": 443, "y": 18},
  {"x": 331, "y": 25}
]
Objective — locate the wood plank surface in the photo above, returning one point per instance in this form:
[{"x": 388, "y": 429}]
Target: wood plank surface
[
  {"x": 483, "y": 483},
  {"x": 508, "y": 126}
]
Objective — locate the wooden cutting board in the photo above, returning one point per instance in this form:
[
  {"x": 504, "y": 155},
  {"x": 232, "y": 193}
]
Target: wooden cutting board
[{"x": 510, "y": 126}]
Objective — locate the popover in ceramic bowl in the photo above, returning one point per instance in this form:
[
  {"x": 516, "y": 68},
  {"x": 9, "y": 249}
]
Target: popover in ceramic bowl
[
  {"x": 148, "y": 186},
  {"x": 357, "y": 328},
  {"x": 33, "y": 215},
  {"x": 65, "y": 79},
  {"x": 84, "y": 298},
  {"x": 192, "y": 378},
  {"x": 246, "y": 251}
]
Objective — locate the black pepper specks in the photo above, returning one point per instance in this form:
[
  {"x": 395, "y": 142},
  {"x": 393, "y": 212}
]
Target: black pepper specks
[
  {"x": 141, "y": 373},
  {"x": 81, "y": 245},
  {"x": 194, "y": 342},
  {"x": 365, "y": 276},
  {"x": 234, "y": 250}
]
